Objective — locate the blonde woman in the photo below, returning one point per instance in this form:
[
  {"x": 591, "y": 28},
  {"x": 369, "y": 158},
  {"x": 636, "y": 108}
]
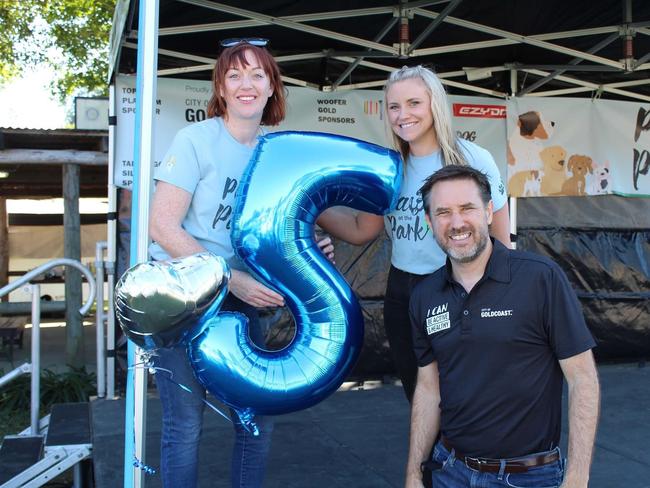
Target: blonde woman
[{"x": 418, "y": 117}]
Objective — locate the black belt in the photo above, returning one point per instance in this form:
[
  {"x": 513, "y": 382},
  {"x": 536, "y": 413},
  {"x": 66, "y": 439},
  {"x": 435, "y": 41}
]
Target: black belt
[{"x": 512, "y": 465}]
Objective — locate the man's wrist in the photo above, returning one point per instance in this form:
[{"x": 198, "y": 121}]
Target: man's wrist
[
  {"x": 573, "y": 480},
  {"x": 414, "y": 472}
]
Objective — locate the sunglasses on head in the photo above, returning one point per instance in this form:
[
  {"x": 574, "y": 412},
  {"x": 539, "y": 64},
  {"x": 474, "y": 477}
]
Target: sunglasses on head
[{"x": 253, "y": 41}]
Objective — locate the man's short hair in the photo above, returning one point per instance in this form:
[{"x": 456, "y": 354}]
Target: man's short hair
[{"x": 456, "y": 172}]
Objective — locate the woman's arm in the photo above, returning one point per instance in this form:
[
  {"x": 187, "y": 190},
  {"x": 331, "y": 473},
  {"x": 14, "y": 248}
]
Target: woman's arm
[
  {"x": 168, "y": 209},
  {"x": 500, "y": 227},
  {"x": 355, "y": 228}
]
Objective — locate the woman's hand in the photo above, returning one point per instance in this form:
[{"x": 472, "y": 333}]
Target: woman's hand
[
  {"x": 251, "y": 291},
  {"x": 326, "y": 246}
]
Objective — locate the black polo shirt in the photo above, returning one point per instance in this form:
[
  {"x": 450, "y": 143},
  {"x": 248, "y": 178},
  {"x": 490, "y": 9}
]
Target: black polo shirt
[{"x": 497, "y": 350}]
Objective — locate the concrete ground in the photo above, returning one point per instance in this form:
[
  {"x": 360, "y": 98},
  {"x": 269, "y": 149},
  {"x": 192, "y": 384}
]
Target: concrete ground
[{"x": 358, "y": 438}]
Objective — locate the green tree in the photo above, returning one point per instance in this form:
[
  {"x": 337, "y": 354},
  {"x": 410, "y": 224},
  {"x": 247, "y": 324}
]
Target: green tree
[
  {"x": 16, "y": 19},
  {"x": 70, "y": 35}
]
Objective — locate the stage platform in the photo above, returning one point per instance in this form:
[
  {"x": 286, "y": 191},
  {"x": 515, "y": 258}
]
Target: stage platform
[{"x": 360, "y": 439}]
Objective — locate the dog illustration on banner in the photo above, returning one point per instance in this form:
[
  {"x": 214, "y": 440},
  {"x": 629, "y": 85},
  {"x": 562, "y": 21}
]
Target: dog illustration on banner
[
  {"x": 576, "y": 184},
  {"x": 599, "y": 183},
  {"x": 538, "y": 169},
  {"x": 525, "y": 143}
]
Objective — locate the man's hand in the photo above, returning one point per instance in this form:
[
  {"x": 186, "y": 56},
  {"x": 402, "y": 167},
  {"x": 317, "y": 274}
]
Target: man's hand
[
  {"x": 413, "y": 481},
  {"x": 572, "y": 482},
  {"x": 251, "y": 291}
]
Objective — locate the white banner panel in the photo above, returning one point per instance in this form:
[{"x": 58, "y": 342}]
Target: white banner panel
[
  {"x": 568, "y": 146},
  {"x": 358, "y": 114},
  {"x": 482, "y": 120}
]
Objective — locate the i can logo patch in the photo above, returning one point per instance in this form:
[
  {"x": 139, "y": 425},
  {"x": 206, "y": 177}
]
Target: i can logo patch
[{"x": 438, "y": 319}]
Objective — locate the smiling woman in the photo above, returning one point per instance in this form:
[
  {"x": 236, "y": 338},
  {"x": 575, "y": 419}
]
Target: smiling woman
[
  {"x": 418, "y": 116},
  {"x": 206, "y": 160}
]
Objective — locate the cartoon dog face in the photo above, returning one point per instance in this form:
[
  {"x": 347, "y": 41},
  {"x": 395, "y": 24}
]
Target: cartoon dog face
[
  {"x": 599, "y": 182},
  {"x": 580, "y": 165},
  {"x": 533, "y": 126},
  {"x": 554, "y": 173},
  {"x": 525, "y": 144},
  {"x": 553, "y": 158}
]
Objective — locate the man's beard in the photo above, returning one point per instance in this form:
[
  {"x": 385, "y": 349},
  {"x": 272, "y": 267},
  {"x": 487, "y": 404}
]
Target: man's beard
[{"x": 469, "y": 254}]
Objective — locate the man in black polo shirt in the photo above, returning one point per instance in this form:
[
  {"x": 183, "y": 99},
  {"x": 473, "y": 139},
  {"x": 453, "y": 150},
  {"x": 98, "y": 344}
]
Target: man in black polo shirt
[{"x": 495, "y": 332}]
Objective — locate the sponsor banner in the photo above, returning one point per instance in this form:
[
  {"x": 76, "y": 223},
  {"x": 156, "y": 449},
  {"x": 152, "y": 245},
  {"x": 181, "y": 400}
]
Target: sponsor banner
[
  {"x": 482, "y": 120},
  {"x": 358, "y": 114},
  {"x": 577, "y": 147},
  {"x": 480, "y": 111},
  {"x": 178, "y": 103}
]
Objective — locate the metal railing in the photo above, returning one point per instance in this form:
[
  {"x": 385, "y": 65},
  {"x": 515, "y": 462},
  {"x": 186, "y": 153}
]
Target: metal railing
[
  {"x": 35, "y": 367},
  {"x": 105, "y": 335}
]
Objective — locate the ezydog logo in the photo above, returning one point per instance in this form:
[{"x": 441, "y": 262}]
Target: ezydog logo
[{"x": 481, "y": 111}]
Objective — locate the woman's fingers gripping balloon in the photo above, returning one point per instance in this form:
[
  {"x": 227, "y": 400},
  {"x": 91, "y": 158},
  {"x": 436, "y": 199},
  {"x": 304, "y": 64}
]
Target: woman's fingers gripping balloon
[
  {"x": 291, "y": 179},
  {"x": 326, "y": 246},
  {"x": 163, "y": 303},
  {"x": 251, "y": 291}
]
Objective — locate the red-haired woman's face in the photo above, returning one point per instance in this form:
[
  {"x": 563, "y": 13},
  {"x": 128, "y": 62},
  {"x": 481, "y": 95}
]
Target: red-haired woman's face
[{"x": 246, "y": 89}]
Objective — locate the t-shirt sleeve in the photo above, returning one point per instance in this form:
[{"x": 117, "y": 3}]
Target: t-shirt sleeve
[
  {"x": 421, "y": 344},
  {"x": 482, "y": 160},
  {"x": 180, "y": 166},
  {"x": 568, "y": 332}
]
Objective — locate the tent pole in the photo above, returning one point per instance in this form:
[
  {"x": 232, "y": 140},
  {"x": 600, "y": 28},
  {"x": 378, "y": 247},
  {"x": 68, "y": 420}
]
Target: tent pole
[
  {"x": 513, "y": 200},
  {"x": 136, "y": 406},
  {"x": 111, "y": 238}
]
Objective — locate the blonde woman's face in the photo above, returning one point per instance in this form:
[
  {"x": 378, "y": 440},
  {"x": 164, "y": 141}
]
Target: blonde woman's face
[{"x": 409, "y": 112}]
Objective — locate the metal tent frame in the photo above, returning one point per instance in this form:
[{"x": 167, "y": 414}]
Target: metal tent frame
[{"x": 605, "y": 65}]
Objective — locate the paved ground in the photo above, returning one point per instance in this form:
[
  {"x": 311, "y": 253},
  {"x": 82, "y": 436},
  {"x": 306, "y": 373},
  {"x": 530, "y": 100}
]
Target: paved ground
[{"x": 356, "y": 438}]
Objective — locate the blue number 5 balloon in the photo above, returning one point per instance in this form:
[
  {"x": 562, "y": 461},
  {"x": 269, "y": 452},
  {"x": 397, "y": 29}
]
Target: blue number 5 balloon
[{"x": 291, "y": 179}]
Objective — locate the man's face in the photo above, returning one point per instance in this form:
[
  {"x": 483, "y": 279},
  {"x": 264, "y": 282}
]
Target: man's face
[{"x": 459, "y": 219}]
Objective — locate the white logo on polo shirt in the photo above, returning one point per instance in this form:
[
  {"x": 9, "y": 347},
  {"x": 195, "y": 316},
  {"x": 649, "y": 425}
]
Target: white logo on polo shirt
[
  {"x": 438, "y": 319},
  {"x": 487, "y": 313}
]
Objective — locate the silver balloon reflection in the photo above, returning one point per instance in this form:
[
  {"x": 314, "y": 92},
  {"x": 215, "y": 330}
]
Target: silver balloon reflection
[
  {"x": 164, "y": 303},
  {"x": 291, "y": 179}
]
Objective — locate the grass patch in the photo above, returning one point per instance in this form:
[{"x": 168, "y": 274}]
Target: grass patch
[{"x": 73, "y": 385}]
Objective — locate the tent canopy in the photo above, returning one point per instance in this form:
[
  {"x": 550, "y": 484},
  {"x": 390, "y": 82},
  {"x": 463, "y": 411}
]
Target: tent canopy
[{"x": 491, "y": 47}]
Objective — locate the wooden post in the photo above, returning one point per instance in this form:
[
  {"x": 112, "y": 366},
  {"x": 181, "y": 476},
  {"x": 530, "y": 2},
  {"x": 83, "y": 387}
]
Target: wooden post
[
  {"x": 4, "y": 247},
  {"x": 74, "y": 347}
]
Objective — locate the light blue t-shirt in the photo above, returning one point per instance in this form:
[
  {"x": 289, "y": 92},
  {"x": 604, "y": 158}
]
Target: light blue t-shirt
[
  {"x": 208, "y": 162},
  {"x": 414, "y": 247}
]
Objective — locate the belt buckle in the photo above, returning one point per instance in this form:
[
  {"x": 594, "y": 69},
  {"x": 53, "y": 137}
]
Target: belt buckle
[{"x": 477, "y": 461}]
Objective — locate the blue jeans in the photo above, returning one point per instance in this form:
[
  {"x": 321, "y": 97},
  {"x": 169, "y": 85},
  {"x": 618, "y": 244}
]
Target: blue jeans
[
  {"x": 454, "y": 473},
  {"x": 182, "y": 419}
]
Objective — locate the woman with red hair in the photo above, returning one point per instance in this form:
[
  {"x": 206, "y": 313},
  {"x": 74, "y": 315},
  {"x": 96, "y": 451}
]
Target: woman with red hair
[{"x": 191, "y": 212}]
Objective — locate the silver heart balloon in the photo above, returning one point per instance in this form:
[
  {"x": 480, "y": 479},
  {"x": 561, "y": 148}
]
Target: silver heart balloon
[{"x": 164, "y": 303}]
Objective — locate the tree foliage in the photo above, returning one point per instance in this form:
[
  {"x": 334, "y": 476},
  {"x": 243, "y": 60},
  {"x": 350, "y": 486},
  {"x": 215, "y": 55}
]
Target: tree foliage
[
  {"x": 70, "y": 35},
  {"x": 16, "y": 19}
]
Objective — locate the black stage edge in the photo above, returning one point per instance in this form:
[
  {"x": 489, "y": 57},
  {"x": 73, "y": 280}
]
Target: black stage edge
[{"x": 360, "y": 439}]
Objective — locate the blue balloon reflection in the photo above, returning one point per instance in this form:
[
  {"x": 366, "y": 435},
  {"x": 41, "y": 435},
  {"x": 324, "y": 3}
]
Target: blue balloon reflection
[{"x": 291, "y": 179}]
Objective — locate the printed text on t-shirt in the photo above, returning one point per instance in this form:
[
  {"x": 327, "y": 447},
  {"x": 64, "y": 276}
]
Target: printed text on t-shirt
[{"x": 224, "y": 212}]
